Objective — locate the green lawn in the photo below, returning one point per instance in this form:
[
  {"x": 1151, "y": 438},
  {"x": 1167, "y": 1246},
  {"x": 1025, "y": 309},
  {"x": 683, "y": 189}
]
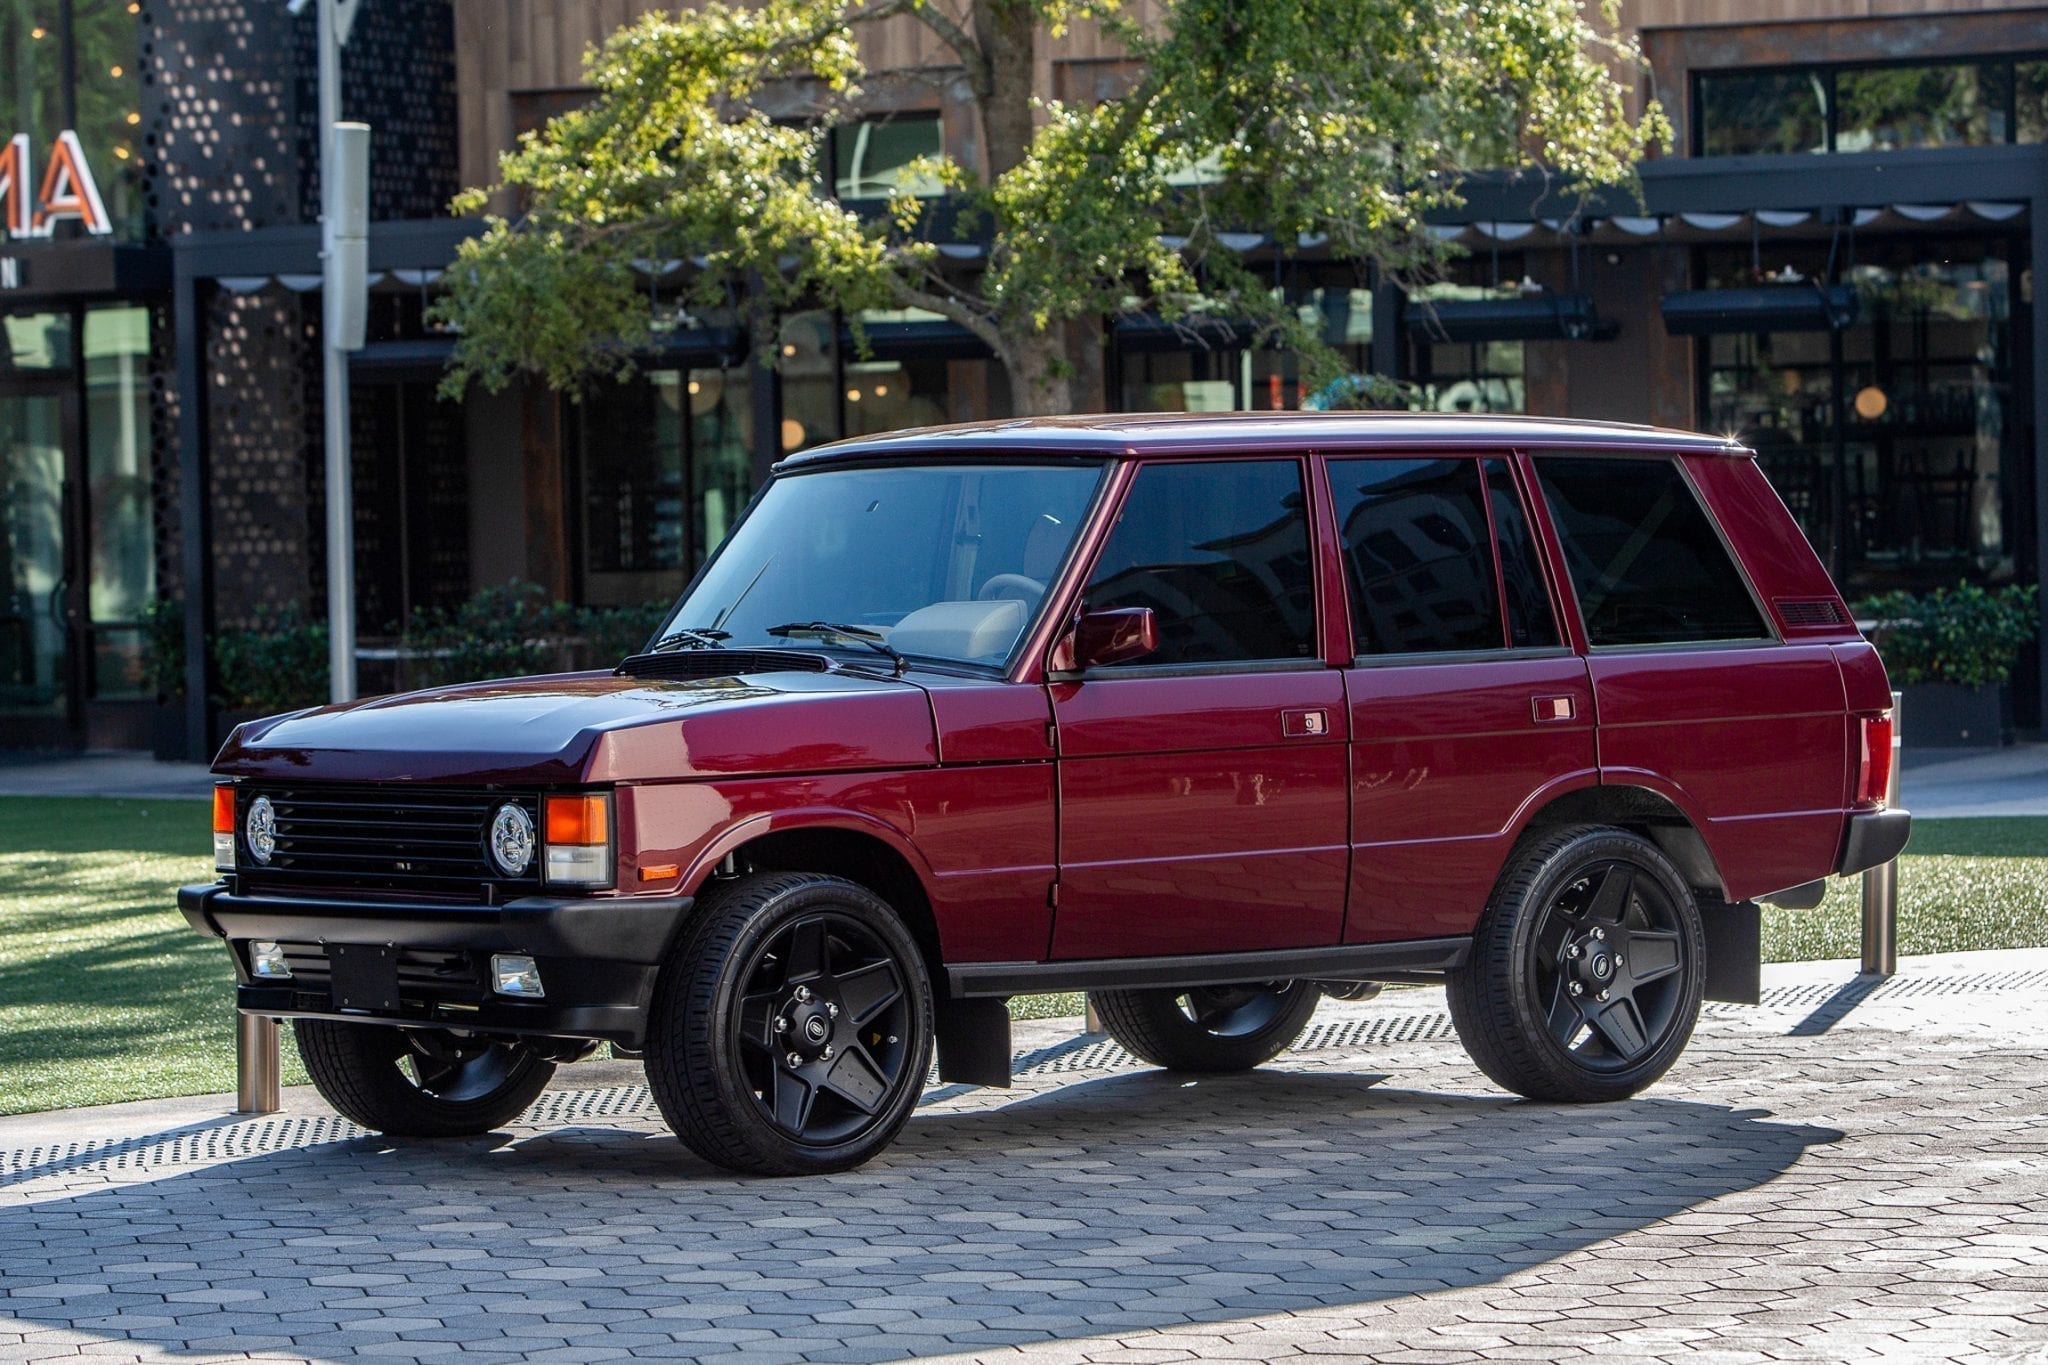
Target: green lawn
[{"x": 106, "y": 995}]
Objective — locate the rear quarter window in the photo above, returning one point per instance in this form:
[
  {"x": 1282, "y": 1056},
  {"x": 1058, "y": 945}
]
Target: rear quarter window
[{"x": 1645, "y": 560}]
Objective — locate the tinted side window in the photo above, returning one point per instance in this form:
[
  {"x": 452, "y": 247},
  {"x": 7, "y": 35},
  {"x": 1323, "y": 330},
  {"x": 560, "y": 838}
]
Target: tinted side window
[
  {"x": 1644, "y": 559},
  {"x": 1219, "y": 551},
  {"x": 1531, "y": 623},
  {"x": 1417, "y": 556}
]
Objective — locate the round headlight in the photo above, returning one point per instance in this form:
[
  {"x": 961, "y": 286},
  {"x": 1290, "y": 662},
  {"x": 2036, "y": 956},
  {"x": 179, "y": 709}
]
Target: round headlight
[
  {"x": 512, "y": 839},
  {"x": 261, "y": 830}
]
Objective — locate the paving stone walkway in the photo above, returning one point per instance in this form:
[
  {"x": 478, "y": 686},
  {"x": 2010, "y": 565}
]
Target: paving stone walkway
[{"x": 1844, "y": 1173}]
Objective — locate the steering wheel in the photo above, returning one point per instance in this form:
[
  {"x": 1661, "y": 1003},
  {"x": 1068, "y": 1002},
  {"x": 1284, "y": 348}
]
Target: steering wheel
[{"x": 1012, "y": 586}]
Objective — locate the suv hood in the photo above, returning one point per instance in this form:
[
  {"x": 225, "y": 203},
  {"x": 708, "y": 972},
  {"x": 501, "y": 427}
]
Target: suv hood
[{"x": 596, "y": 727}]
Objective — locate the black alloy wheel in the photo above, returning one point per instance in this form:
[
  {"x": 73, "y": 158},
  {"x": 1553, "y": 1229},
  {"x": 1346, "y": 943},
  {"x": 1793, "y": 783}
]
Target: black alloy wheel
[
  {"x": 1609, "y": 950},
  {"x": 792, "y": 1027},
  {"x": 1586, "y": 972},
  {"x": 1208, "y": 1028},
  {"x": 420, "y": 1082},
  {"x": 821, "y": 1030}
]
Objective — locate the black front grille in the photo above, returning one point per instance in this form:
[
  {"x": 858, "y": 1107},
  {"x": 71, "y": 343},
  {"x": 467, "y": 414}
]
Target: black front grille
[
  {"x": 410, "y": 839},
  {"x": 423, "y": 973}
]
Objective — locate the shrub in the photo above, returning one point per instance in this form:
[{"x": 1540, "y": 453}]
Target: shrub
[
  {"x": 502, "y": 632},
  {"x": 1963, "y": 635},
  {"x": 279, "y": 664}
]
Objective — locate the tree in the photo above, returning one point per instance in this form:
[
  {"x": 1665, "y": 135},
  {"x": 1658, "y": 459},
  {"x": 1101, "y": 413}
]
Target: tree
[{"x": 1336, "y": 120}]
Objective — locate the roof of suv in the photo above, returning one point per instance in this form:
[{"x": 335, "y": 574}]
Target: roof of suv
[{"x": 1234, "y": 433}]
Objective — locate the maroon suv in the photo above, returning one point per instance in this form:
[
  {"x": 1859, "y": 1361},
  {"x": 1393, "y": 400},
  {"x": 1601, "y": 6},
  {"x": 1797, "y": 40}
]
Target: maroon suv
[{"x": 1205, "y": 716}]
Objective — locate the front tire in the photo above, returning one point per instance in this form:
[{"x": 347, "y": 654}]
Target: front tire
[
  {"x": 1587, "y": 969},
  {"x": 1208, "y": 1028},
  {"x": 792, "y": 1026},
  {"x": 419, "y": 1082}
]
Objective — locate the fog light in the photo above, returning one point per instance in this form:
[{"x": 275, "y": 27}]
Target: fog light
[
  {"x": 267, "y": 960},
  {"x": 515, "y": 974}
]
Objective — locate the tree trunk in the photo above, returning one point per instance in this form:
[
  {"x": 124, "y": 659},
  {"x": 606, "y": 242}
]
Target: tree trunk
[
  {"x": 1040, "y": 383},
  {"x": 1007, "y": 33}
]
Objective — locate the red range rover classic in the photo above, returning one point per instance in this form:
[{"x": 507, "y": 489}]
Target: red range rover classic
[{"x": 1208, "y": 717}]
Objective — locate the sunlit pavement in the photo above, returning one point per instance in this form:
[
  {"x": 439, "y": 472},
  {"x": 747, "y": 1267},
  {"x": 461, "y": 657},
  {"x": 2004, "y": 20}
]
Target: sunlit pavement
[{"x": 1845, "y": 1172}]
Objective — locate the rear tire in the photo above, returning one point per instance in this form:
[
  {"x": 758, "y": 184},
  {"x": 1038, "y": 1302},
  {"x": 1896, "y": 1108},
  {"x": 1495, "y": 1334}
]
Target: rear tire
[
  {"x": 1587, "y": 969},
  {"x": 792, "y": 1026},
  {"x": 419, "y": 1082},
  {"x": 1208, "y": 1028}
]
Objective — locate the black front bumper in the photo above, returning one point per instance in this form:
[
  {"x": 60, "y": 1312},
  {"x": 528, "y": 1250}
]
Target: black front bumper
[{"x": 597, "y": 958}]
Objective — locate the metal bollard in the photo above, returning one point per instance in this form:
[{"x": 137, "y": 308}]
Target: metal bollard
[
  {"x": 256, "y": 1068},
  {"x": 1881, "y": 883}
]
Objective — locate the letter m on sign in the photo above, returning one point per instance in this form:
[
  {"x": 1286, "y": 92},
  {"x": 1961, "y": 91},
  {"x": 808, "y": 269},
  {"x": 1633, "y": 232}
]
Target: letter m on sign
[{"x": 14, "y": 186}]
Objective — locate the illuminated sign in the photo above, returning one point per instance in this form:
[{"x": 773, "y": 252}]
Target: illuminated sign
[{"x": 67, "y": 189}]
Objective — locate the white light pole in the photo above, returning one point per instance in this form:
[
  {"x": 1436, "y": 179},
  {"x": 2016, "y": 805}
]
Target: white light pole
[{"x": 344, "y": 259}]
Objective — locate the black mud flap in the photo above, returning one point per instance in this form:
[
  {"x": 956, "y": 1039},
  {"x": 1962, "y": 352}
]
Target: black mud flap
[
  {"x": 974, "y": 1041},
  {"x": 1735, "y": 951}
]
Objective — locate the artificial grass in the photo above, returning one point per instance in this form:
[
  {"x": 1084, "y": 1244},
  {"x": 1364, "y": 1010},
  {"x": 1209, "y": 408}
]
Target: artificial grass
[{"x": 106, "y": 994}]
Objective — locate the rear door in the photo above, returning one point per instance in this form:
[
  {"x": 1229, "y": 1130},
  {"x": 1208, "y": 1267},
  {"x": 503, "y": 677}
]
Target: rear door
[
  {"x": 1467, "y": 704},
  {"x": 1698, "y": 697},
  {"x": 1202, "y": 788}
]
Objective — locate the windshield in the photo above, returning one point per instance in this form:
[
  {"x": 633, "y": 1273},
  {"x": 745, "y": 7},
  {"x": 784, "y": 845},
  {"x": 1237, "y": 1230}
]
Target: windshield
[{"x": 933, "y": 561}]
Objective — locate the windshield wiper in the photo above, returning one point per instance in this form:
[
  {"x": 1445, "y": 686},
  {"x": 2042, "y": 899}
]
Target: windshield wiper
[
  {"x": 832, "y": 630},
  {"x": 689, "y": 639}
]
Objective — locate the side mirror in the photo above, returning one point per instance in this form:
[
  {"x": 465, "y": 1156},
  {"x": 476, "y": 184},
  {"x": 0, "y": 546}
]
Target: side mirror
[{"x": 1114, "y": 636}]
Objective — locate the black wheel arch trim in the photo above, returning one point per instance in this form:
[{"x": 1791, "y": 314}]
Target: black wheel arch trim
[{"x": 1344, "y": 962}]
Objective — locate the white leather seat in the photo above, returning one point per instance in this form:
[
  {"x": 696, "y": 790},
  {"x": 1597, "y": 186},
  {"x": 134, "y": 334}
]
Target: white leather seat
[{"x": 981, "y": 631}]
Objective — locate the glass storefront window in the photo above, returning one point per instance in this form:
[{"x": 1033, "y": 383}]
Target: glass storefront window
[
  {"x": 35, "y": 342},
  {"x": 1870, "y": 108},
  {"x": 33, "y": 657},
  {"x": 1746, "y": 112},
  {"x": 123, "y": 527},
  {"x": 721, "y": 435},
  {"x": 1915, "y": 487},
  {"x": 665, "y": 471},
  {"x": 1888, "y": 108},
  {"x": 2030, "y": 101},
  {"x": 876, "y": 158}
]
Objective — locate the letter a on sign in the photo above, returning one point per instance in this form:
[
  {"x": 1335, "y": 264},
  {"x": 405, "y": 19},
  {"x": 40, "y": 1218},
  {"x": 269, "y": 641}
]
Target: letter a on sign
[
  {"x": 14, "y": 186},
  {"x": 69, "y": 191}
]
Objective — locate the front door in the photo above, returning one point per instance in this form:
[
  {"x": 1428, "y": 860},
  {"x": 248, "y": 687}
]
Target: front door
[{"x": 1202, "y": 788}]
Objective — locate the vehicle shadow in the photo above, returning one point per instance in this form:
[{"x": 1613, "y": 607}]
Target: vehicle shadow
[{"x": 1107, "y": 1206}]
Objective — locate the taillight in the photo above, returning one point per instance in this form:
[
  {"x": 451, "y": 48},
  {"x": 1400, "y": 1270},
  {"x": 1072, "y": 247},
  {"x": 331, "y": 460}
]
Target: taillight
[
  {"x": 1874, "y": 765},
  {"x": 223, "y": 828}
]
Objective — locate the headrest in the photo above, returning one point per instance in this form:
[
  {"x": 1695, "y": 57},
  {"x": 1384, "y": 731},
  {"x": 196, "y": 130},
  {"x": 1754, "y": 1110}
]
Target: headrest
[{"x": 981, "y": 631}]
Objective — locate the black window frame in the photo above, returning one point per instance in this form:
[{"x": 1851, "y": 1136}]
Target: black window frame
[
  {"x": 1768, "y": 634},
  {"x": 1318, "y": 610},
  {"x": 1514, "y": 488},
  {"x": 1696, "y": 134}
]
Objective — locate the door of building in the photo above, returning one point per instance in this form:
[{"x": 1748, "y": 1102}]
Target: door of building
[{"x": 41, "y": 592}]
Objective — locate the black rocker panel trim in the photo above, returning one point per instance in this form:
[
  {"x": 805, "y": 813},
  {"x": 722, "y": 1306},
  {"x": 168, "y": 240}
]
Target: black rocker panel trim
[{"x": 1346, "y": 962}]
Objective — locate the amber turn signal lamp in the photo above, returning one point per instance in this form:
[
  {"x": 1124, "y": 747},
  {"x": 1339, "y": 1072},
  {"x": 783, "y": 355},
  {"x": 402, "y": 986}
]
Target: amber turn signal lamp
[
  {"x": 578, "y": 820},
  {"x": 661, "y": 872}
]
